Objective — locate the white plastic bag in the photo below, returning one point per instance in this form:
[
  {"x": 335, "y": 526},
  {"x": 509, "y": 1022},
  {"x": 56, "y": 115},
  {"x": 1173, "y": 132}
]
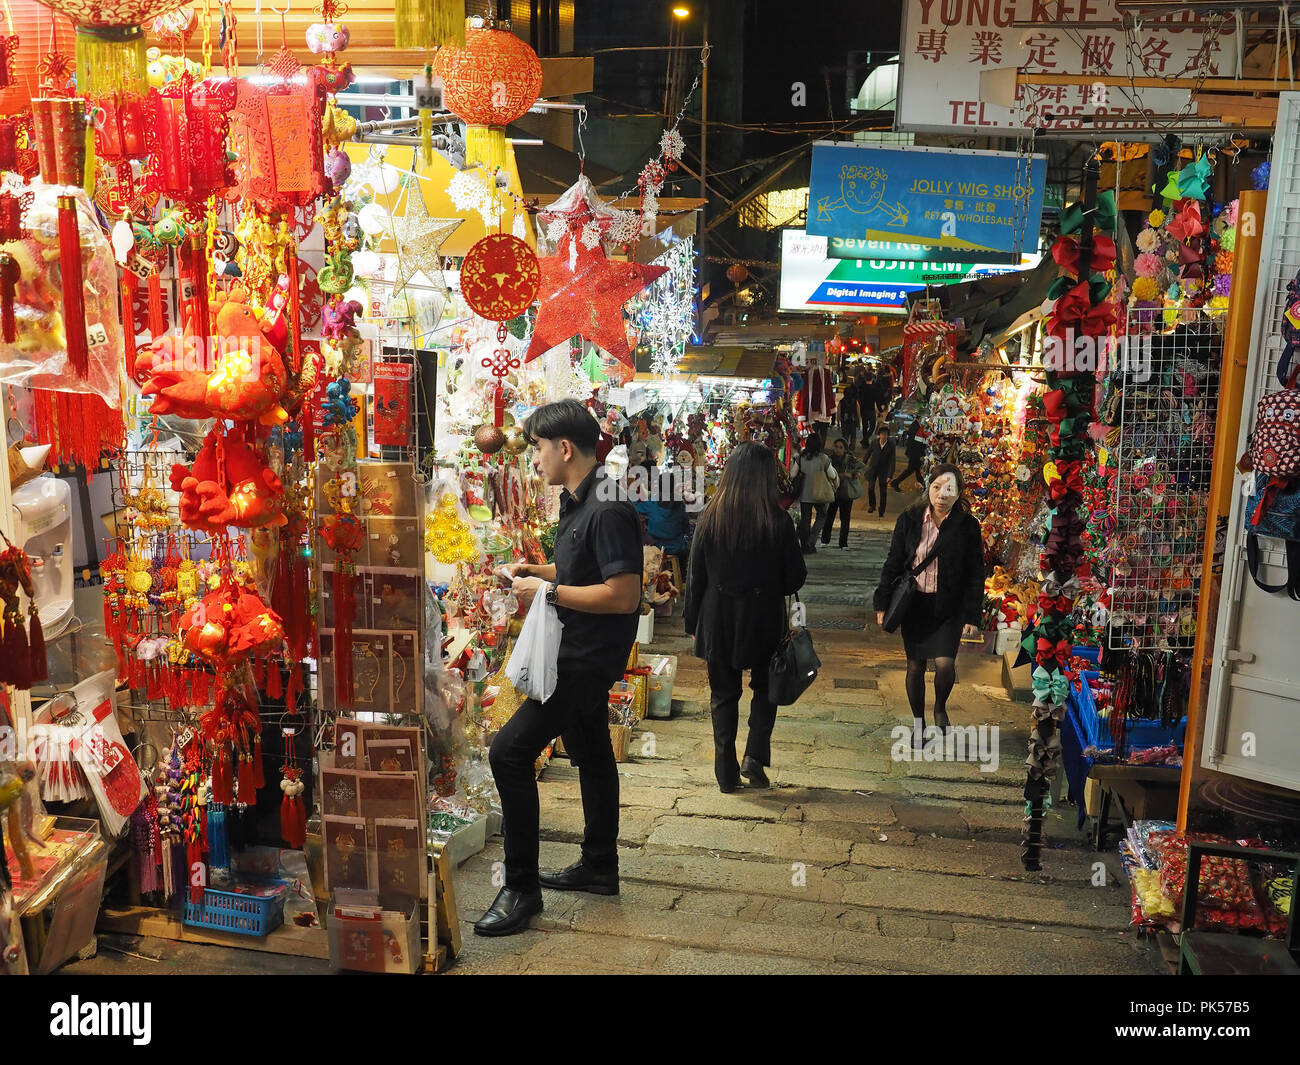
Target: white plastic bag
[{"x": 534, "y": 663}]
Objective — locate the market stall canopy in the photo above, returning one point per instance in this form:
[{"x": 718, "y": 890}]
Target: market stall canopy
[
  {"x": 993, "y": 307},
  {"x": 717, "y": 361}
]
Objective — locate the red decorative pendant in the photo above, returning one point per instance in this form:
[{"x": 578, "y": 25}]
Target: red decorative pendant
[{"x": 500, "y": 277}]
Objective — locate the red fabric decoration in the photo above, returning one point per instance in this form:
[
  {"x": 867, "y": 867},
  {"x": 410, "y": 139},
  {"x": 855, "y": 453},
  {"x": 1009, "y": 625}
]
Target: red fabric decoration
[
  {"x": 228, "y": 484},
  {"x": 77, "y": 425},
  {"x": 9, "y": 274}
]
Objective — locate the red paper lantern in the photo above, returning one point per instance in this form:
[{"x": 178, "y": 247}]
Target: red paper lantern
[
  {"x": 489, "y": 83},
  {"x": 737, "y": 274},
  {"x": 500, "y": 277}
]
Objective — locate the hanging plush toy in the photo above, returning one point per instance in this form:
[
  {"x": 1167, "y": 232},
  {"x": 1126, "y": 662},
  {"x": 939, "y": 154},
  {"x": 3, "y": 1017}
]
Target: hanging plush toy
[
  {"x": 228, "y": 625},
  {"x": 249, "y": 495},
  {"x": 244, "y": 379}
]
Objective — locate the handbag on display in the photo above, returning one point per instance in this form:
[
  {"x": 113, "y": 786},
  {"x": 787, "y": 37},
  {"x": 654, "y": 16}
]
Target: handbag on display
[
  {"x": 1273, "y": 509},
  {"x": 903, "y": 592},
  {"x": 793, "y": 667}
]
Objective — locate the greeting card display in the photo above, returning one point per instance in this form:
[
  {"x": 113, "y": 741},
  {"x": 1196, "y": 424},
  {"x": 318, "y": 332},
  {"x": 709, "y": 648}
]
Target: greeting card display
[
  {"x": 394, "y": 543},
  {"x": 390, "y": 795},
  {"x": 339, "y": 793},
  {"x": 387, "y": 489},
  {"x": 400, "y": 859},
  {"x": 347, "y": 853}
]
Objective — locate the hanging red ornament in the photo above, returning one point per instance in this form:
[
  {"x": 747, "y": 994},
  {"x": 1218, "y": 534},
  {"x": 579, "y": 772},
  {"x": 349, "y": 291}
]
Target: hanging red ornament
[
  {"x": 38, "y": 30},
  {"x": 587, "y": 300},
  {"x": 500, "y": 277},
  {"x": 70, "y": 282},
  {"x": 737, "y": 274},
  {"x": 489, "y": 83},
  {"x": 10, "y": 272}
]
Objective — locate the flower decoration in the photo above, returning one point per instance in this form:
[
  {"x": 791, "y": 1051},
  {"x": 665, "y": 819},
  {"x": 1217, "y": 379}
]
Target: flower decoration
[
  {"x": 1148, "y": 240},
  {"x": 1145, "y": 288},
  {"x": 1156, "y": 218},
  {"x": 1147, "y": 265}
]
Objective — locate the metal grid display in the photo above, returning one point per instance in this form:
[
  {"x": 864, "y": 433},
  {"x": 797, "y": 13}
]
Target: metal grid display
[{"x": 1165, "y": 453}]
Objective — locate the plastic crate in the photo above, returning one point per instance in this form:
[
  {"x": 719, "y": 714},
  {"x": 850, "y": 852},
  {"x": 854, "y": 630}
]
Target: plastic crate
[
  {"x": 1140, "y": 735},
  {"x": 1092, "y": 654},
  {"x": 251, "y": 908}
]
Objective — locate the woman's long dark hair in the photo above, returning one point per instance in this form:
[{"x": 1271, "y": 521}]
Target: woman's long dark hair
[
  {"x": 746, "y": 513},
  {"x": 812, "y": 447}
]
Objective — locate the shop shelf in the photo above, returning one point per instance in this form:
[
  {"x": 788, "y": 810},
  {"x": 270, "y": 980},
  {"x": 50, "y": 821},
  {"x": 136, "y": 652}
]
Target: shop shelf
[{"x": 251, "y": 908}]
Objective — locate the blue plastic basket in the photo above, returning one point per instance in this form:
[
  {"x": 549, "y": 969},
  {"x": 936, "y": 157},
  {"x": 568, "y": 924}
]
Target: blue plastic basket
[
  {"x": 240, "y": 911},
  {"x": 1092, "y": 654},
  {"x": 1140, "y": 735}
]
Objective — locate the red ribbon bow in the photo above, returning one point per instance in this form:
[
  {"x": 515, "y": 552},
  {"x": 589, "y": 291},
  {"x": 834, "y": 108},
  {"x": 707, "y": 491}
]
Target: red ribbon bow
[
  {"x": 1187, "y": 222},
  {"x": 1066, "y": 253},
  {"x": 1048, "y": 652}
]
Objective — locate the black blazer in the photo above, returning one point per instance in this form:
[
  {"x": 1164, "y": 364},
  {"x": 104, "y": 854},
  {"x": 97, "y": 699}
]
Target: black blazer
[
  {"x": 735, "y": 602},
  {"x": 880, "y": 461},
  {"x": 960, "y": 557}
]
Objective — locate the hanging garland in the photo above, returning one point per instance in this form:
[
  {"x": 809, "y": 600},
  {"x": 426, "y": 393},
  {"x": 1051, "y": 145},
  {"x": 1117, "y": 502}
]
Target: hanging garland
[{"x": 1084, "y": 252}]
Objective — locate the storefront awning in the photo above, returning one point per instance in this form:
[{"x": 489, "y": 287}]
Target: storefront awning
[{"x": 727, "y": 361}]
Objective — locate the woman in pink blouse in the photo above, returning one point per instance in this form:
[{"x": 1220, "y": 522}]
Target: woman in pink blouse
[{"x": 941, "y": 533}]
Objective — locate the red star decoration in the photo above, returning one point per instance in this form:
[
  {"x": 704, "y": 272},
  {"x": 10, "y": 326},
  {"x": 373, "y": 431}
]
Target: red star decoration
[{"x": 587, "y": 301}]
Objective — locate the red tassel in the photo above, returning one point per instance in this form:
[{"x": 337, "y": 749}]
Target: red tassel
[
  {"x": 157, "y": 321},
  {"x": 274, "y": 682},
  {"x": 247, "y": 787},
  {"x": 298, "y": 824},
  {"x": 130, "y": 283},
  {"x": 286, "y": 821},
  {"x": 259, "y": 674},
  {"x": 10, "y": 272},
  {"x": 295, "y": 313},
  {"x": 74, "y": 296},
  {"x": 292, "y": 689},
  {"x": 37, "y": 645}
]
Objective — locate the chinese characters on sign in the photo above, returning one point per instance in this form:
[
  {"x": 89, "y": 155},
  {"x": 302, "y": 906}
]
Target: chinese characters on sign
[{"x": 947, "y": 44}]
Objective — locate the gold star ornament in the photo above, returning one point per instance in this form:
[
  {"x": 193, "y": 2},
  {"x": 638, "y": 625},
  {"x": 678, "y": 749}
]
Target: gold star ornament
[{"x": 419, "y": 239}]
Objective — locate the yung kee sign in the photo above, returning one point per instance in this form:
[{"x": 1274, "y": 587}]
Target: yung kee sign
[{"x": 948, "y": 44}]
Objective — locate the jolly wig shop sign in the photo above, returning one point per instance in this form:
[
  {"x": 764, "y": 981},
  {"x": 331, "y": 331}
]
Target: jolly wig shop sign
[{"x": 948, "y": 44}]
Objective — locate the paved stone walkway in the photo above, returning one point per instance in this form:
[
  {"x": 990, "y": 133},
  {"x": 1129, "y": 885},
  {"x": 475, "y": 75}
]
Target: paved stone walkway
[{"x": 854, "y": 862}]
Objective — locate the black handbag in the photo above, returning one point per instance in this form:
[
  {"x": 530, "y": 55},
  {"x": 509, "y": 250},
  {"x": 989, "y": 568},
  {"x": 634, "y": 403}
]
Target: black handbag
[
  {"x": 904, "y": 591},
  {"x": 793, "y": 667}
]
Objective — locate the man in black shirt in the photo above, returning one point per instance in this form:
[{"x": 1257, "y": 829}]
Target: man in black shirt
[{"x": 595, "y": 586}]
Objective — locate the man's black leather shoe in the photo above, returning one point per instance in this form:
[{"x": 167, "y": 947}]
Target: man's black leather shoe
[
  {"x": 509, "y": 913},
  {"x": 578, "y": 877}
]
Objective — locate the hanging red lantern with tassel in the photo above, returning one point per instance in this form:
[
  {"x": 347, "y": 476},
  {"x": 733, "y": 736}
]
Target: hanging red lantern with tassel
[
  {"x": 737, "y": 274},
  {"x": 489, "y": 83}
]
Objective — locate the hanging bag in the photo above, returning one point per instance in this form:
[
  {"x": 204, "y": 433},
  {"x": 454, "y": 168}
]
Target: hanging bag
[
  {"x": 793, "y": 667},
  {"x": 904, "y": 592},
  {"x": 534, "y": 663},
  {"x": 1273, "y": 509},
  {"x": 823, "y": 482}
]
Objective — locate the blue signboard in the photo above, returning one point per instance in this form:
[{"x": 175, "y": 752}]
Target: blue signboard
[{"x": 983, "y": 201}]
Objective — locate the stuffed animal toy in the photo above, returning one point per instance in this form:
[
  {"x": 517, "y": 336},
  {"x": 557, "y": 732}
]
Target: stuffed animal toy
[
  {"x": 338, "y": 318},
  {"x": 229, "y": 624},
  {"x": 243, "y": 379},
  {"x": 249, "y": 496}
]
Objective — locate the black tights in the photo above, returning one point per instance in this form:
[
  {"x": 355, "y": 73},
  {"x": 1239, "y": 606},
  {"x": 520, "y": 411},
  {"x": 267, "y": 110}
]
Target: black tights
[{"x": 945, "y": 676}]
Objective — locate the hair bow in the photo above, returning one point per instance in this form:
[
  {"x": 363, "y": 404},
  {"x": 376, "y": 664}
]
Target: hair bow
[
  {"x": 1187, "y": 223},
  {"x": 1050, "y": 688},
  {"x": 1066, "y": 253},
  {"x": 1103, "y": 215},
  {"x": 1194, "y": 180}
]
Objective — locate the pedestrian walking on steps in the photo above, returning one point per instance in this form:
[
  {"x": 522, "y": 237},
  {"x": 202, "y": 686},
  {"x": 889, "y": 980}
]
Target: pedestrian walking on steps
[
  {"x": 816, "y": 493},
  {"x": 914, "y": 448},
  {"x": 851, "y": 471},
  {"x": 939, "y": 540},
  {"x": 745, "y": 560},
  {"x": 881, "y": 459}
]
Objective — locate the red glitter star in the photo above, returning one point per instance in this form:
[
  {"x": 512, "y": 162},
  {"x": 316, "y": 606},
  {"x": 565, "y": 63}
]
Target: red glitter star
[{"x": 587, "y": 301}]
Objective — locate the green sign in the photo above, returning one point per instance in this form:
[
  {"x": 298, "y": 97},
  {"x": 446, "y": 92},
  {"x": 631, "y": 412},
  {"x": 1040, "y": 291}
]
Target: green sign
[{"x": 853, "y": 248}]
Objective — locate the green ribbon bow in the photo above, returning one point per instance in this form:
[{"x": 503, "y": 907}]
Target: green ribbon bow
[
  {"x": 1103, "y": 215},
  {"x": 1049, "y": 688}
]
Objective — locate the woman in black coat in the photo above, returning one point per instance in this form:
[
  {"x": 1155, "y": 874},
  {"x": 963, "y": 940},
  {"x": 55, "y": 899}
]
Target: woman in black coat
[
  {"x": 950, "y": 600},
  {"x": 745, "y": 559}
]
